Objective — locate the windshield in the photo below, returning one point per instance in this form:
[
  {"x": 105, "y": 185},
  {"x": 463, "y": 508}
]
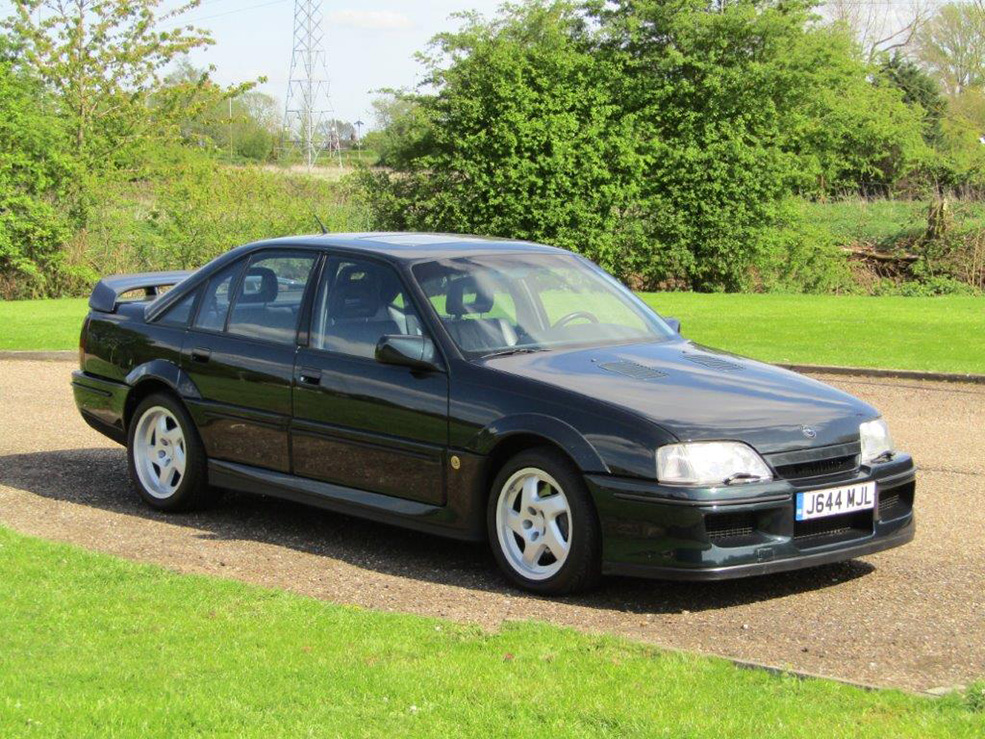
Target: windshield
[{"x": 534, "y": 302}]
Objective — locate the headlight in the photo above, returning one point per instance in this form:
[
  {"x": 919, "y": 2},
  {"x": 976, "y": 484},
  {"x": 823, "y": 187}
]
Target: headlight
[
  {"x": 710, "y": 463},
  {"x": 876, "y": 441}
]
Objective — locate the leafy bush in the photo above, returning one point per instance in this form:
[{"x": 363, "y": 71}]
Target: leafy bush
[
  {"x": 851, "y": 129},
  {"x": 804, "y": 257},
  {"x": 657, "y": 138},
  {"x": 35, "y": 172},
  {"x": 193, "y": 209},
  {"x": 524, "y": 141}
]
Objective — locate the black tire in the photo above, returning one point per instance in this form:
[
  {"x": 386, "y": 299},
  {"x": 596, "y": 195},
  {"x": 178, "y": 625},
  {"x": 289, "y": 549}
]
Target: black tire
[
  {"x": 582, "y": 569},
  {"x": 192, "y": 491}
]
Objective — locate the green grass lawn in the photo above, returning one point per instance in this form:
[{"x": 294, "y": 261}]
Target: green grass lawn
[
  {"x": 944, "y": 334},
  {"x": 41, "y": 324},
  {"x": 93, "y": 645}
]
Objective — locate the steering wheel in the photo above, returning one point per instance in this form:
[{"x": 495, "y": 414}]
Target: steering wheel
[{"x": 565, "y": 320}]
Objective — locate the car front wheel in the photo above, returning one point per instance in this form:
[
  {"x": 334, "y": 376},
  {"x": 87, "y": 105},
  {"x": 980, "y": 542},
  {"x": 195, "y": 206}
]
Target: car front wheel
[
  {"x": 166, "y": 459},
  {"x": 543, "y": 527}
]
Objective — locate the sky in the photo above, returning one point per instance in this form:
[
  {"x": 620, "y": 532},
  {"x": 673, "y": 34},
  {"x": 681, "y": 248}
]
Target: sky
[{"x": 370, "y": 43}]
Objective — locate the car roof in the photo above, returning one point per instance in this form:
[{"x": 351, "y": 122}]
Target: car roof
[
  {"x": 397, "y": 246},
  {"x": 415, "y": 246}
]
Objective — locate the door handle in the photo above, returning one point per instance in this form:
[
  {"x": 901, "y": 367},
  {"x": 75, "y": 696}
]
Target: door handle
[
  {"x": 310, "y": 376},
  {"x": 201, "y": 355}
]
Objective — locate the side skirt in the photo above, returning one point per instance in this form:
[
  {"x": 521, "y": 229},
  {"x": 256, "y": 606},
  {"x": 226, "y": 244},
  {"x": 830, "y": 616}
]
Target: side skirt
[{"x": 387, "y": 509}]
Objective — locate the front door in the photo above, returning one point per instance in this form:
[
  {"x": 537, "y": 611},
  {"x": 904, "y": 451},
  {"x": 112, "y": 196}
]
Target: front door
[
  {"x": 240, "y": 355},
  {"x": 357, "y": 422}
]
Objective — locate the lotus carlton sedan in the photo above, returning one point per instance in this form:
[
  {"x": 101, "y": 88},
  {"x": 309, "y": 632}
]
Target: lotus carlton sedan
[{"x": 483, "y": 389}]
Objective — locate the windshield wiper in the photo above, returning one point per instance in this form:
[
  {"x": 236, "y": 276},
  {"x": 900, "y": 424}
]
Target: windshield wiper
[{"x": 511, "y": 350}]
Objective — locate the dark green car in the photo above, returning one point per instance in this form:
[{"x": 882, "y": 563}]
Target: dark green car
[{"x": 484, "y": 389}]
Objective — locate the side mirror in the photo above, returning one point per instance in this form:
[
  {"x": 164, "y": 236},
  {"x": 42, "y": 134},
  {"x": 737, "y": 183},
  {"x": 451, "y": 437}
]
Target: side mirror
[
  {"x": 416, "y": 352},
  {"x": 674, "y": 324}
]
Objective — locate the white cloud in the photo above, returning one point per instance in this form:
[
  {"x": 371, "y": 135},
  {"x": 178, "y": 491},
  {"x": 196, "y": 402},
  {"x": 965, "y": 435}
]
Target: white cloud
[{"x": 384, "y": 20}]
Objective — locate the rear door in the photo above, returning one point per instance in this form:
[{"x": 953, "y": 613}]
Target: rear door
[
  {"x": 240, "y": 354},
  {"x": 360, "y": 423}
]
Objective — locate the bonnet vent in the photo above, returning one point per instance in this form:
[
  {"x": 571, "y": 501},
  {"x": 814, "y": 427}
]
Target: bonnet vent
[
  {"x": 715, "y": 363},
  {"x": 634, "y": 370}
]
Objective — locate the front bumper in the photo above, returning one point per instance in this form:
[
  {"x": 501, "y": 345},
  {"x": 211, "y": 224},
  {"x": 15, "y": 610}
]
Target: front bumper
[{"x": 669, "y": 532}]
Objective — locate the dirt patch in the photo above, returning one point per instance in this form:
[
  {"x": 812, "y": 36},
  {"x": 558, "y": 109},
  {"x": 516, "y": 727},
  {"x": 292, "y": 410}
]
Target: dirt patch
[{"x": 911, "y": 617}]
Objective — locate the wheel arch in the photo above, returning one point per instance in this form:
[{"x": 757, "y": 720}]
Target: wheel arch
[
  {"x": 502, "y": 441},
  {"x": 158, "y": 375},
  {"x": 508, "y": 436}
]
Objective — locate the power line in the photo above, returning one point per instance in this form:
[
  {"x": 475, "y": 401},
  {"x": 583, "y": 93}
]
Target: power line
[{"x": 199, "y": 19}]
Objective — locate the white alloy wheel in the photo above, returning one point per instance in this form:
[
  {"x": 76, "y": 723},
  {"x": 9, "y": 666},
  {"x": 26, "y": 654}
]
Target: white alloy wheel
[
  {"x": 159, "y": 452},
  {"x": 533, "y": 524}
]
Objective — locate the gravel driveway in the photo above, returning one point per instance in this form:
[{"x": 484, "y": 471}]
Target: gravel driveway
[{"x": 912, "y": 617}]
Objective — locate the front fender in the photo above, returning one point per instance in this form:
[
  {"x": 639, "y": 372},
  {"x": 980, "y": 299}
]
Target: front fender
[
  {"x": 167, "y": 372},
  {"x": 552, "y": 429}
]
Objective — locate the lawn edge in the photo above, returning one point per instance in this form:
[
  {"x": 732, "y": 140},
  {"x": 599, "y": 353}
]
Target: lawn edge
[
  {"x": 896, "y": 374},
  {"x": 59, "y": 355}
]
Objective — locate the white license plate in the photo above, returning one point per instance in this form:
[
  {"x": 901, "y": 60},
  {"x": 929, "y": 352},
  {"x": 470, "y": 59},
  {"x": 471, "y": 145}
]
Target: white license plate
[{"x": 831, "y": 502}]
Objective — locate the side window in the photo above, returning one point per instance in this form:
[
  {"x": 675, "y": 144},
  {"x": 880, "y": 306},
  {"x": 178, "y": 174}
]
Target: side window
[
  {"x": 358, "y": 303},
  {"x": 215, "y": 303},
  {"x": 179, "y": 313},
  {"x": 269, "y": 301}
]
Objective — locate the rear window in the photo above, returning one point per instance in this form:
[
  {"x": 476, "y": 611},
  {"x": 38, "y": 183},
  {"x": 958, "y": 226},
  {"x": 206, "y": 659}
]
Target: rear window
[
  {"x": 181, "y": 312},
  {"x": 215, "y": 303}
]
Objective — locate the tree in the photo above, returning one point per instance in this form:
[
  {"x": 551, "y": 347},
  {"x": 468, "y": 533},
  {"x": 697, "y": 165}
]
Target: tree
[
  {"x": 238, "y": 122},
  {"x": 660, "y": 137},
  {"x": 35, "y": 170},
  {"x": 850, "y": 128},
  {"x": 401, "y": 125},
  {"x": 880, "y": 28},
  {"x": 106, "y": 62},
  {"x": 952, "y": 46},
  {"x": 919, "y": 89},
  {"x": 523, "y": 138}
]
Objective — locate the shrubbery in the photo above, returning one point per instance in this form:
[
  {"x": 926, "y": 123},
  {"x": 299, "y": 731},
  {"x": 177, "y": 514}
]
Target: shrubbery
[
  {"x": 195, "y": 209},
  {"x": 105, "y": 162},
  {"x": 662, "y": 139},
  {"x": 35, "y": 177},
  {"x": 675, "y": 142}
]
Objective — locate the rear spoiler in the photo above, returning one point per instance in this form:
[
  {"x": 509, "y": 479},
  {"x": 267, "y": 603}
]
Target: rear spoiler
[{"x": 106, "y": 294}]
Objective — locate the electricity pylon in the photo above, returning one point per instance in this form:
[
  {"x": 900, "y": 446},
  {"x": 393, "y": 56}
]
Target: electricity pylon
[{"x": 310, "y": 128}]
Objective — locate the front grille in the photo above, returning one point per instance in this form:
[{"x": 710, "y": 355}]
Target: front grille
[
  {"x": 818, "y": 468},
  {"x": 824, "y": 461},
  {"x": 731, "y": 529},
  {"x": 896, "y": 502},
  {"x": 830, "y": 529}
]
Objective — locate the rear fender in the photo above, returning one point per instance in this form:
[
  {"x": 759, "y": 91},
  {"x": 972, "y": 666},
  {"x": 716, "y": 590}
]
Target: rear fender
[{"x": 167, "y": 372}]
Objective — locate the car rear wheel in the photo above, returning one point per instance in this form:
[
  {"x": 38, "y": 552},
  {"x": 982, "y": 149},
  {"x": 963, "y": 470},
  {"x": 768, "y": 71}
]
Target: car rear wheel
[
  {"x": 543, "y": 527},
  {"x": 166, "y": 459}
]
